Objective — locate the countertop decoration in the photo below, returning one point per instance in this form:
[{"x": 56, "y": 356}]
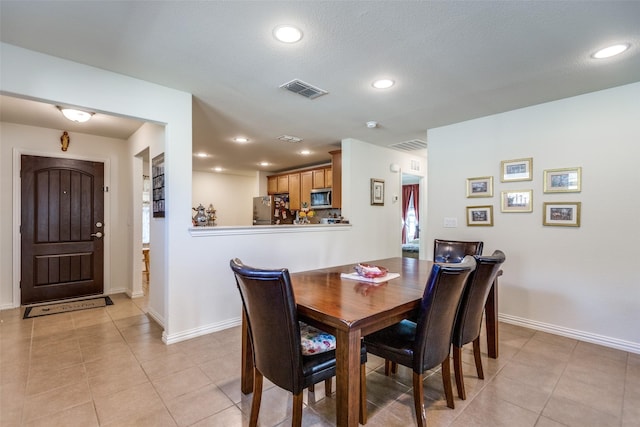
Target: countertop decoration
[
  {"x": 211, "y": 215},
  {"x": 305, "y": 213}
]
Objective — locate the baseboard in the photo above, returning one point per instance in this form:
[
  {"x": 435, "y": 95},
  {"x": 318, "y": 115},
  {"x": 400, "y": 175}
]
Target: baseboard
[
  {"x": 156, "y": 317},
  {"x": 196, "y": 332},
  {"x": 631, "y": 347}
]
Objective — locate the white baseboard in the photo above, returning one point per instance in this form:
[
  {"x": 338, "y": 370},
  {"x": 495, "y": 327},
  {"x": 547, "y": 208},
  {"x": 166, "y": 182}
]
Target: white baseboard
[
  {"x": 196, "y": 332},
  {"x": 629, "y": 346},
  {"x": 156, "y": 317}
]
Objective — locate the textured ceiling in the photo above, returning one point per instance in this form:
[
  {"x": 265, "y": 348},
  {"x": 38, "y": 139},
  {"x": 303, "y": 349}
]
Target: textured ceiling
[{"x": 452, "y": 61}]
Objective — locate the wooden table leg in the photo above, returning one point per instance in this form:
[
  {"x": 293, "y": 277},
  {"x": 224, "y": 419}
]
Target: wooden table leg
[
  {"x": 347, "y": 377},
  {"x": 246, "y": 370},
  {"x": 491, "y": 313}
]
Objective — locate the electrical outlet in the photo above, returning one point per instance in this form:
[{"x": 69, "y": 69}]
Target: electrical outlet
[{"x": 450, "y": 222}]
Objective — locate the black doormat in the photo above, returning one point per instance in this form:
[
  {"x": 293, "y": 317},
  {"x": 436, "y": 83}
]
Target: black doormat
[{"x": 65, "y": 307}]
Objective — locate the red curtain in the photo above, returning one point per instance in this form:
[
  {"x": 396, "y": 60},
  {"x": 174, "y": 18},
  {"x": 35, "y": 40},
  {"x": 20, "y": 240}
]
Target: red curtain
[{"x": 407, "y": 191}]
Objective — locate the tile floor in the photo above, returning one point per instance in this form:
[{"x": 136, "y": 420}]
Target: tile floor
[{"x": 109, "y": 367}]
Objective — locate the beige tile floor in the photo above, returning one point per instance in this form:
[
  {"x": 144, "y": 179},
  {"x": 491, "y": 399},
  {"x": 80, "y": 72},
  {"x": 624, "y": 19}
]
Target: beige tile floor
[{"x": 109, "y": 367}]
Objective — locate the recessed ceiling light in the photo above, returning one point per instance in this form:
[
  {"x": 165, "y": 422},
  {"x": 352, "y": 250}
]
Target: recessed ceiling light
[
  {"x": 217, "y": 169},
  {"x": 287, "y": 33},
  {"x": 203, "y": 155},
  {"x": 305, "y": 152},
  {"x": 264, "y": 163},
  {"x": 383, "y": 84},
  {"x": 241, "y": 139},
  {"x": 610, "y": 51}
]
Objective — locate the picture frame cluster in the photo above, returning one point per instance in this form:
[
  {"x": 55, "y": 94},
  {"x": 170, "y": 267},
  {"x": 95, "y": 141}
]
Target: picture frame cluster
[{"x": 563, "y": 180}]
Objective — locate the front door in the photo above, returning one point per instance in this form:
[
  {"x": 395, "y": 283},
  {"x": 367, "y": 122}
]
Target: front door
[{"x": 62, "y": 229}]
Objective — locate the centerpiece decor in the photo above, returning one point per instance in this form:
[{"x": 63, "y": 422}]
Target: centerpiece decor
[{"x": 305, "y": 213}]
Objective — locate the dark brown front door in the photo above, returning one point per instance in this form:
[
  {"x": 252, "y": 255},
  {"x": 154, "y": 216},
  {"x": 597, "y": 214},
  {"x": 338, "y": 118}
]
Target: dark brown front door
[{"x": 62, "y": 229}]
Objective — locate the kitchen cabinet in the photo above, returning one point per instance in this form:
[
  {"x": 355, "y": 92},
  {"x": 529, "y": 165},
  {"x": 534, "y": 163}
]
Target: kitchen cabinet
[
  {"x": 328, "y": 178},
  {"x": 278, "y": 184},
  {"x": 318, "y": 178},
  {"x": 272, "y": 185},
  {"x": 306, "y": 184},
  {"x": 336, "y": 183},
  {"x": 283, "y": 184},
  {"x": 294, "y": 191}
]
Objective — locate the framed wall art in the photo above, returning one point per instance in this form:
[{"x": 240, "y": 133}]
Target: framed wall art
[
  {"x": 377, "y": 192},
  {"x": 563, "y": 180},
  {"x": 480, "y": 215},
  {"x": 481, "y": 186},
  {"x": 517, "y": 201},
  {"x": 565, "y": 214},
  {"x": 516, "y": 170}
]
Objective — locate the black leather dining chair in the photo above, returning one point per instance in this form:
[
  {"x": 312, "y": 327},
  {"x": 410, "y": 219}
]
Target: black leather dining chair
[
  {"x": 270, "y": 309},
  {"x": 469, "y": 318},
  {"x": 454, "y": 250},
  {"x": 424, "y": 344}
]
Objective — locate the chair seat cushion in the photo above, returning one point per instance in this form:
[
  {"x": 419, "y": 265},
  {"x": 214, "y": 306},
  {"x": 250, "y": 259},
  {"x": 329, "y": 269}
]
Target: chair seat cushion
[{"x": 315, "y": 341}]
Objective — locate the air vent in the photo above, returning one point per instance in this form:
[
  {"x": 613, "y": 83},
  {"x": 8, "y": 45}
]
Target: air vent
[
  {"x": 304, "y": 89},
  {"x": 289, "y": 138},
  {"x": 413, "y": 145}
]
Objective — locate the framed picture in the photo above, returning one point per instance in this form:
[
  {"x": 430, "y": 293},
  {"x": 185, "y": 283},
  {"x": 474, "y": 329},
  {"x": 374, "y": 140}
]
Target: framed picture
[
  {"x": 377, "y": 192},
  {"x": 562, "y": 180},
  {"x": 480, "y": 215},
  {"x": 481, "y": 186},
  {"x": 516, "y": 170},
  {"x": 517, "y": 201},
  {"x": 565, "y": 214}
]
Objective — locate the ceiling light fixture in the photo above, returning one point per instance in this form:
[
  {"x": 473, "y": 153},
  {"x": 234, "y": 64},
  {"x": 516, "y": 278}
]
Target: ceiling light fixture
[
  {"x": 264, "y": 163},
  {"x": 201, "y": 155},
  {"x": 305, "y": 152},
  {"x": 77, "y": 116},
  {"x": 610, "y": 51},
  {"x": 383, "y": 83},
  {"x": 217, "y": 169},
  {"x": 241, "y": 139},
  {"x": 372, "y": 124},
  {"x": 287, "y": 34}
]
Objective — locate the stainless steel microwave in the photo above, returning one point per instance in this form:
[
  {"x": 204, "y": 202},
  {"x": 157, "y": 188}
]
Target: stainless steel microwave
[{"x": 321, "y": 198}]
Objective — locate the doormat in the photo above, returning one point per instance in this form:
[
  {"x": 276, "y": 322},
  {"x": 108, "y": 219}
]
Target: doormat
[{"x": 65, "y": 307}]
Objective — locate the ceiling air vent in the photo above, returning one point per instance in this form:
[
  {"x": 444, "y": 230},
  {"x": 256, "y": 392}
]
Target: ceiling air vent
[
  {"x": 289, "y": 138},
  {"x": 413, "y": 145},
  {"x": 304, "y": 89}
]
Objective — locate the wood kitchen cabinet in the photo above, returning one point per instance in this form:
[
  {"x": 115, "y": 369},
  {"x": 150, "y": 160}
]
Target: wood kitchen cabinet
[
  {"x": 278, "y": 184},
  {"x": 306, "y": 184},
  {"x": 318, "y": 178},
  {"x": 272, "y": 185},
  {"x": 294, "y": 191}
]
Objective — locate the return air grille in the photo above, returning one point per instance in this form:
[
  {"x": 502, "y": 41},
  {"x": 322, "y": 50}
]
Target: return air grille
[
  {"x": 304, "y": 89},
  {"x": 413, "y": 145}
]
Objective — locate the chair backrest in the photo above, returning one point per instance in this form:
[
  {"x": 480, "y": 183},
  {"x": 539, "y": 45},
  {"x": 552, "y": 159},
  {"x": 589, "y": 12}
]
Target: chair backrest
[
  {"x": 453, "y": 250},
  {"x": 469, "y": 317},
  {"x": 438, "y": 311},
  {"x": 270, "y": 309}
]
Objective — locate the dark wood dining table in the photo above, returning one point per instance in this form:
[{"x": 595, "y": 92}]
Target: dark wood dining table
[{"x": 351, "y": 309}]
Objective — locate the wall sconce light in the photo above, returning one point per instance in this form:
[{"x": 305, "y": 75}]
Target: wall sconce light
[
  {"x": 75, "y": 115},
  {"x": 65, "y": 140}
]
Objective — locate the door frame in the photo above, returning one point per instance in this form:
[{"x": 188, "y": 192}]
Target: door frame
[{"x": 17, "y": 208}]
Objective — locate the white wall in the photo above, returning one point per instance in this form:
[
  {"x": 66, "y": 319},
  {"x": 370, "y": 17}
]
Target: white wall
[
  {"x": 16, "y": 140},
  {"x": 582, "y": 282},
  {"x": 231, "y": 196}
]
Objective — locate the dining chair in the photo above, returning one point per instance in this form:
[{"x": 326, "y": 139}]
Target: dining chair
[
  {"x": 424, "y": 344},
  {"x": 468, "y": 321},
  {"x": 454, "y": 250},
  {"x": 277, "y": 341}
]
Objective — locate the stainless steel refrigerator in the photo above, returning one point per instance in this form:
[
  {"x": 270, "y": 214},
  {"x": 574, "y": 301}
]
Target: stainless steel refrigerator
[{"x": 268, "y": 210}]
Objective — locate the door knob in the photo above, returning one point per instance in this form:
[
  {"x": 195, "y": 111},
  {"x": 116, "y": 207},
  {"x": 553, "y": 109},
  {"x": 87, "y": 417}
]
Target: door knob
[{"x": 98, "y": 234}]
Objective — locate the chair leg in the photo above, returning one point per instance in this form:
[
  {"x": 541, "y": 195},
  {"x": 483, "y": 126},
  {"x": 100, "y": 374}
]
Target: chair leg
[
  {"x": 327, "y": 387},
  {"x": 363, "y": 394},
  {"x": 457, "y": 370},
  {"x": 257, "y": 397},
  {"x": 312, "y": 388},
  {"x": 476, "y": 356},
  {"x": 296, "y": 420},
  {"x": 446, "y": 382},
  {"x": 418, "y": 401},
  {"x": 394, "y": 368}
]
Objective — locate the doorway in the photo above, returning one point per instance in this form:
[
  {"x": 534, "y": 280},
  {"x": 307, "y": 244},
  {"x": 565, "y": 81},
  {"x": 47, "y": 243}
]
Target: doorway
[
  {"x": 62, "y": 228},
  {"x": 410, "y": 216}
]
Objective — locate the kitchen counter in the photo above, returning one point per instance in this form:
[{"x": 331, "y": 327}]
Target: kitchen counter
[{"x": 265, "y": 229}]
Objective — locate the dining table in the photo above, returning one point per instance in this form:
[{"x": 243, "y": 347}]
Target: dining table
[{"x": 351, "y": 309}]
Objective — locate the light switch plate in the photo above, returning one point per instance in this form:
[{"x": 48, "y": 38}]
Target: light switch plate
[{"x": 450, "y": 222}]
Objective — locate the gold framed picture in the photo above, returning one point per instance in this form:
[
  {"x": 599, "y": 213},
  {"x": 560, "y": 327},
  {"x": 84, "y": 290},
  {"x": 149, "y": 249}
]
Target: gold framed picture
[
  {"x": 480, "y": 216},
  {"x": 377, "y": 192},
  {"x": 481, "y": 186},
  {"x": 516, "y": 201},
  {"x": 516, "y": 170},
  {"x": 568, "y": 180},
  {"x": 565, "y": 214}
]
